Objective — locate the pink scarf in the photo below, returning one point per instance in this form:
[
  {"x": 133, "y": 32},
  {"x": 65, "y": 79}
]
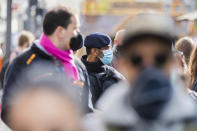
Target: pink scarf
[{"x": 65, "y": 57}]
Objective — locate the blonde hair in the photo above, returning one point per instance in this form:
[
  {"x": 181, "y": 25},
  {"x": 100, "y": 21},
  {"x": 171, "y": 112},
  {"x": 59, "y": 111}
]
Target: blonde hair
[{"x": 25, "y": 37}]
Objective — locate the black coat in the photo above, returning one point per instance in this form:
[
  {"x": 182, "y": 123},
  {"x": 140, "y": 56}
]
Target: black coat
[
  {"x": 36, "y": 64},
  {"x": 194, "y": 86},
  {"x": 101, "y": 77}
]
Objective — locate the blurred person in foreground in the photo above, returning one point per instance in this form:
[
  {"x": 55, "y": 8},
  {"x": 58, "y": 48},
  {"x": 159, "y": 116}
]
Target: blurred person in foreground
[
  {"x": 53, "y": 49},
  {"x": 185, "y": 45},
  {"x": 99, "y": 56},
  {"x": 152, "y": 98},
  {"x": 24, "y": 40},
  {"x": 43, "y": 105}
]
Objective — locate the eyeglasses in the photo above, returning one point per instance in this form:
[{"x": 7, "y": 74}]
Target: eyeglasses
[{"x": 159, "y": 60}]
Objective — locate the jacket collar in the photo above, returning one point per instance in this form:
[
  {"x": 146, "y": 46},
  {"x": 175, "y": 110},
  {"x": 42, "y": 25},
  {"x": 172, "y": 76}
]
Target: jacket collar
[
  {"x": 93, "y": 67},
  {"x": 37, "y": 43},
  {"x": 38, "y": 50}
]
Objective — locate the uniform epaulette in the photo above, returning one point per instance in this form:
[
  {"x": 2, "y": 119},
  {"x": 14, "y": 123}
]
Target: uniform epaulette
[{"x": 32, "y": 57}]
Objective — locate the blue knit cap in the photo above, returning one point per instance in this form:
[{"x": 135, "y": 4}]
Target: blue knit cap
[{"x": 97, "y": 40}]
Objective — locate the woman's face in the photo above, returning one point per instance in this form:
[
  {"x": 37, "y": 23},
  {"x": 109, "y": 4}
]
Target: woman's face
[{"x": 43, "y": 111}]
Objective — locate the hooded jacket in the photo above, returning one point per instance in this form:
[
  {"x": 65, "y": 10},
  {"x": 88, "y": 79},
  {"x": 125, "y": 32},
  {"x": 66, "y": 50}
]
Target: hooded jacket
[{"x": 119, "y": 111}]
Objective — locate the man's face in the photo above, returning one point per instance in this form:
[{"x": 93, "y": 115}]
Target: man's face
[
  {"x": 43, "y": 111},
  {"x": 69, "y": 32},
  {"x": 147, "y": 53}
]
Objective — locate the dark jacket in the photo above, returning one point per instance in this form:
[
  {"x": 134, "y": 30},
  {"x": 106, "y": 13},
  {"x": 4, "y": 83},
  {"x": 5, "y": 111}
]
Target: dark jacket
[
  {"x": 101, "y": 77},
  {"x": 194, "y": 86},
  {"x": 36, "y": 64}
]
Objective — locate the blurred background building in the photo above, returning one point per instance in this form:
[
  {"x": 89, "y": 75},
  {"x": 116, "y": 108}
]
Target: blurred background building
[
  {"x": 28, "y": 15},
  {"x": 96, "y": 15},
  {"x": 111, "y": 15}
]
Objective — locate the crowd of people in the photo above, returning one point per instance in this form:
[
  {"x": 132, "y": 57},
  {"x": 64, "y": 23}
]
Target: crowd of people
[{"x": 143, "y": 80}]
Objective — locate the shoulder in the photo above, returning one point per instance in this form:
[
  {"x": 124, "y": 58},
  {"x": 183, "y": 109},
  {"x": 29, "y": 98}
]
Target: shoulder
[
  {"x": 175, "y": 108},
  {"x": 30, "y": 56},
  {"x": 113, "y": 72},
  {"x": 113, "y": 94},
  {"x": 79, "y": 63},
  {"x": 21, "y": 59},
  {"x": 25, "y": 60},
  {"x": 82, "y": 70},
  {"x": 114, "y": 107},
  {"x": 20, "y": 62}
]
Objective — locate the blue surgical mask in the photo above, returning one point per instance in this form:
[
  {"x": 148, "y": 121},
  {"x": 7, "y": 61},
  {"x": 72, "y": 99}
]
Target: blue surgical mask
[{"x": 108, "y": 56}]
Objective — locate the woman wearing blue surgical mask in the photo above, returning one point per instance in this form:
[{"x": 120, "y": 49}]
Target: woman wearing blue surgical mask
[{"x": 99, "y": 57}]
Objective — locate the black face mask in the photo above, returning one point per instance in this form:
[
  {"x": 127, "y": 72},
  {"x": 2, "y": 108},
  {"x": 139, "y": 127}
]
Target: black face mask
[
  {"x": 150, "y": 93},
  {"x": 77, "y": 42}
]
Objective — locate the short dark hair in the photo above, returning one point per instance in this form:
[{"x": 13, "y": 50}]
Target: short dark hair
[{"x": 58, "y": 16}]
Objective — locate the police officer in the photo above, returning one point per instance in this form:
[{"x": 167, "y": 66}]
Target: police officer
[{"x": 99, "y": 56}]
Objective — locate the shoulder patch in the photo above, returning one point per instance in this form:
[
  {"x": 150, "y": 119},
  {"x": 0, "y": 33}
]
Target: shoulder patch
[{"x": 32, "y": 57}]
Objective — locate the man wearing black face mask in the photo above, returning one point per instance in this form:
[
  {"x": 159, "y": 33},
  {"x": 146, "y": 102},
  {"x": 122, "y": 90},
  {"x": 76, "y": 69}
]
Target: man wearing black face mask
[
  {"x": 99, "y": 55},
  {"x": 150, "y": 99},
  {"x": 53, "y": 50}
]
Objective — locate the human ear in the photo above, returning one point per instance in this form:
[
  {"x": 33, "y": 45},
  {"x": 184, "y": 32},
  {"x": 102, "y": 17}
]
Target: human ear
[{"x": 60, "y": 32}]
